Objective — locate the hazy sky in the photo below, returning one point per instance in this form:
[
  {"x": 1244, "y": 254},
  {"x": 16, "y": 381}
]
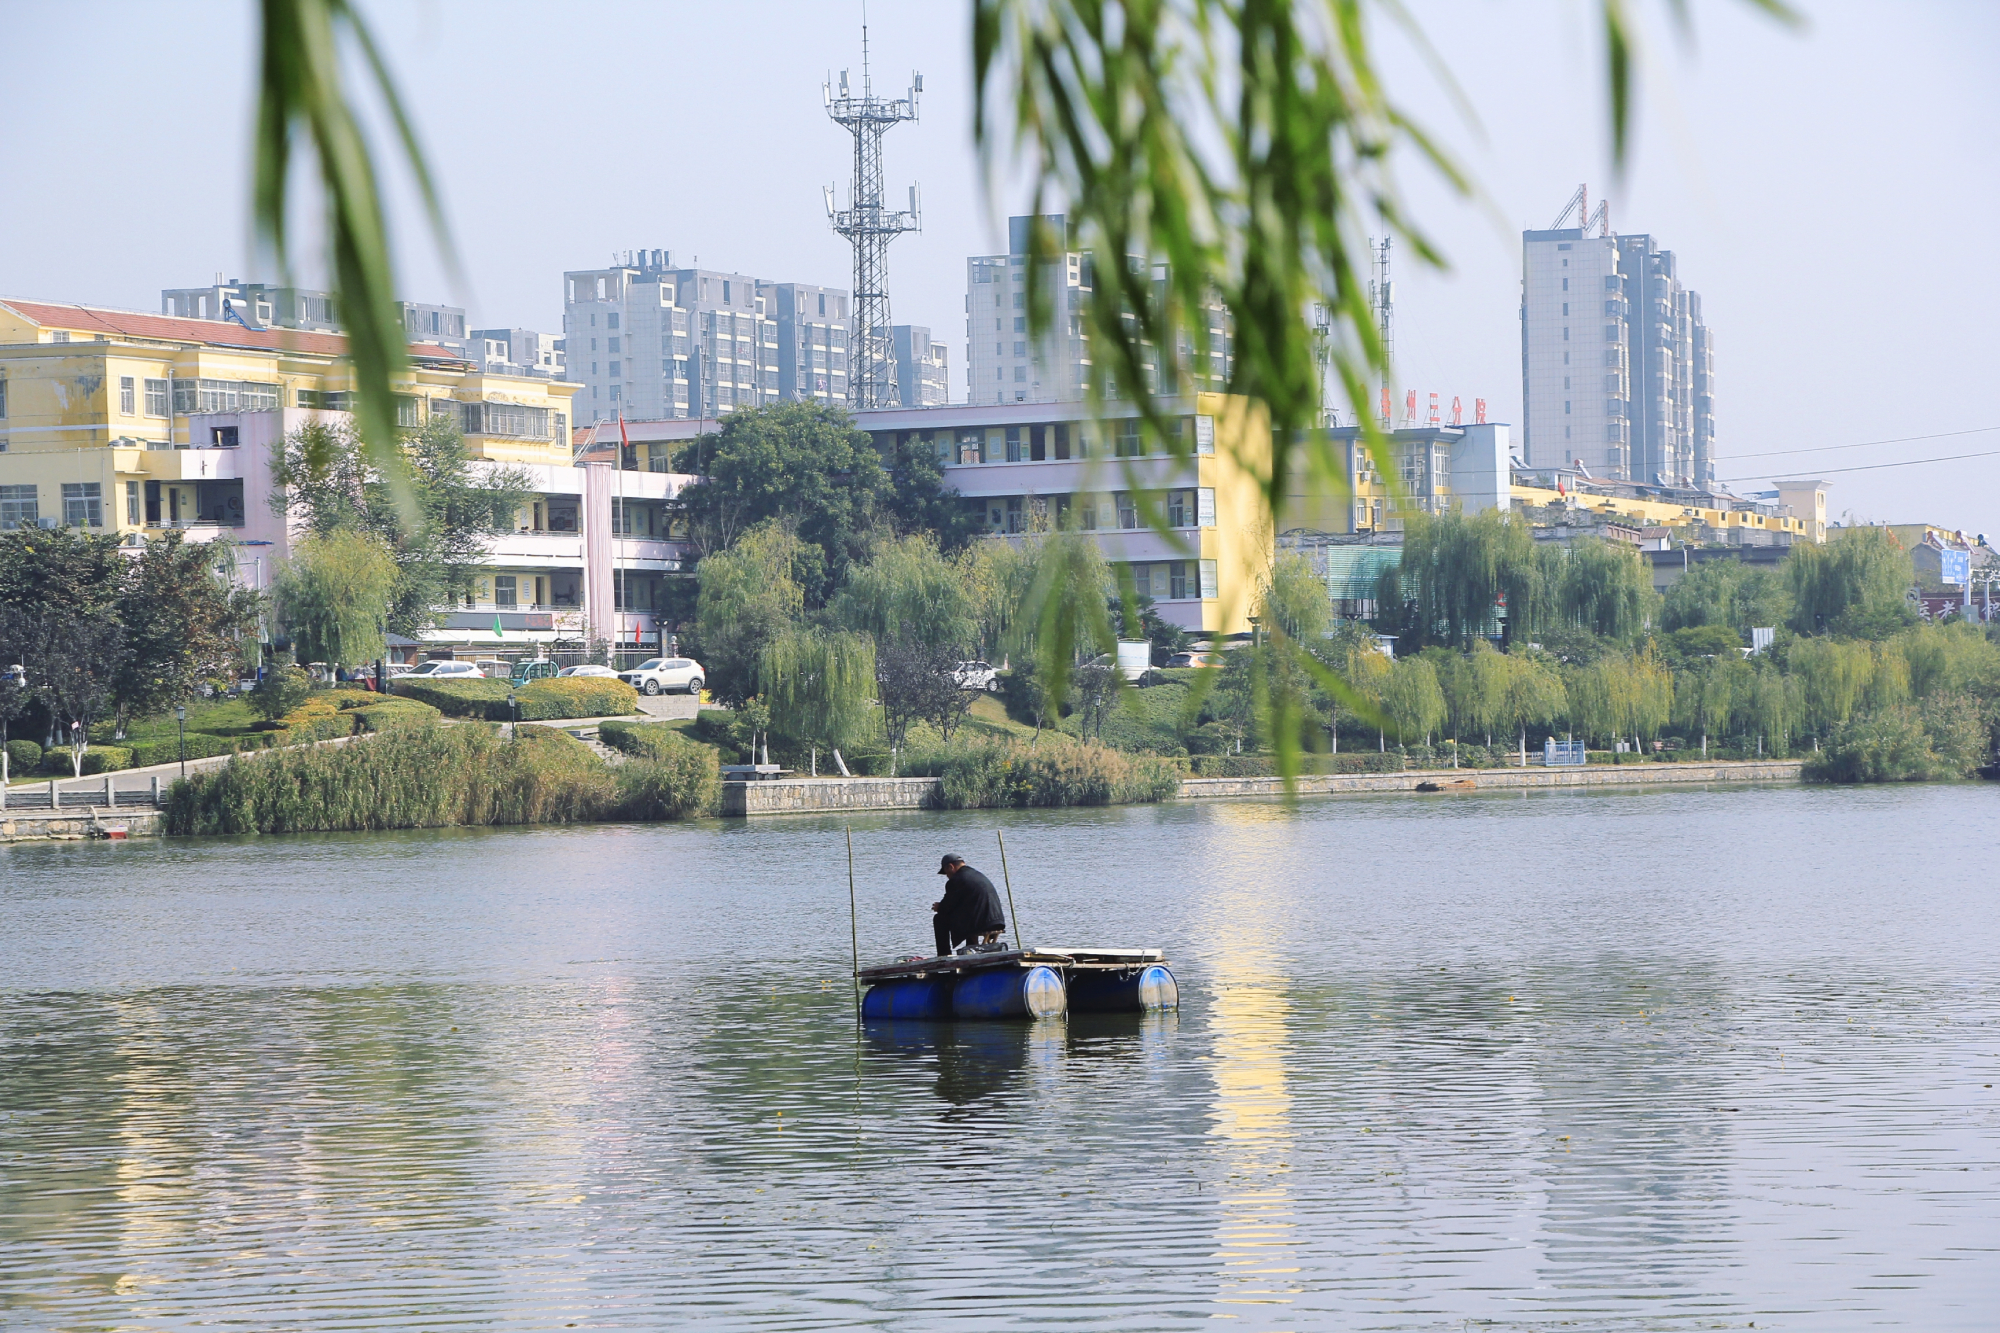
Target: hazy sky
[{"x": 1830, "y": 192}]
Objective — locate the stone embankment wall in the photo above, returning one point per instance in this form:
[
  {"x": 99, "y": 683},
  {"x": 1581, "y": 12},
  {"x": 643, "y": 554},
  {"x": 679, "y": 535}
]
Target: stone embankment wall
[
  {"x": 77, "y": 824},
  {"x": 818, "y": 795},
  {"x": 1491, "y": 779},
  {"x": 801, "y": 796}
]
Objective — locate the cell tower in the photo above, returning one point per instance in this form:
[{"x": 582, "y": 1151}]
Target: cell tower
[
  {"x": 1382, "y": 295},
  {"x": 869, "y": 226}
]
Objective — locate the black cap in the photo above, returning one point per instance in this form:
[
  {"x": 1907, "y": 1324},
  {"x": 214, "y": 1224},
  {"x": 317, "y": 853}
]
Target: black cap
[{"x": 950, "y": 859}]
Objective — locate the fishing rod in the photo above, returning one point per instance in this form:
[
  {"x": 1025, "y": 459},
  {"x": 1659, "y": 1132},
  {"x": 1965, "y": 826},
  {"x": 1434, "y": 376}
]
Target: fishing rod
[{"x": 1008, "y": 880}]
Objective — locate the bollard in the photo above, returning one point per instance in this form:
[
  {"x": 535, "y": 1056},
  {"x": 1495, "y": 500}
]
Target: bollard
[
  {"x": 55, "y": 797},
  {"x": 110, "y": 797},
  {"x": 156, "y": 791}
]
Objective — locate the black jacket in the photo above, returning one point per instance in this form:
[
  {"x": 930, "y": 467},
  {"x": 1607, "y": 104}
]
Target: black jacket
[{"x": 971, "y": 905}]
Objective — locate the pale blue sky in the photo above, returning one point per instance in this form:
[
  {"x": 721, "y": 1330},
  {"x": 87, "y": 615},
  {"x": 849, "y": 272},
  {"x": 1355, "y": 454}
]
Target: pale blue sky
[{"x": 1830, "y": 193}]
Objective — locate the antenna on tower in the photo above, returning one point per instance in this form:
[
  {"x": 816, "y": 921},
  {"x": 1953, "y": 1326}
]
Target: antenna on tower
[
  {"x": 869, "y": 225},
  {"x": 1578, "y": 205},
  {"x": 1601, "y": 219}
]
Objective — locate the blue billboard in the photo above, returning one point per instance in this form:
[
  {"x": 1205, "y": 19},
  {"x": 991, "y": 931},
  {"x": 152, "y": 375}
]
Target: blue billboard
[{"x": 1954, "y": 566}]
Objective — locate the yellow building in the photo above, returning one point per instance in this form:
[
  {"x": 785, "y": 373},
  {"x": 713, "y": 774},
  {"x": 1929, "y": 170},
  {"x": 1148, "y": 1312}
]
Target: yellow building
[
  {"x": 1034, "y": 466},
  {"x": 130, "y": 423}
]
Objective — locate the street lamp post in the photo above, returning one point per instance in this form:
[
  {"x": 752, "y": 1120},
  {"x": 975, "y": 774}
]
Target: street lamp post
[
  {"x": 180, "y": 720},
  {"x": 514, "y": 711}
]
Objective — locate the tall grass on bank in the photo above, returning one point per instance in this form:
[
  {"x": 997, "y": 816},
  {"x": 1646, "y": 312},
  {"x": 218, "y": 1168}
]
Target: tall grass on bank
[
  {"x": 667, "y": 775},
  {"x": 1055, "y": 770},
  {"x": 1946, "y": 737},
  {"x": 426, "y": 775}
]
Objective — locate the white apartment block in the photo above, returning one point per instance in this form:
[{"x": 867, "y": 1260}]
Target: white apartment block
[
  {"x": 650, "y": 341},
  {"x": 1617, "y": 367},
  {"x": 923, "y": 367},
  {"x": 521, "y": 352},
  {"x": 1003, "y": 365}
]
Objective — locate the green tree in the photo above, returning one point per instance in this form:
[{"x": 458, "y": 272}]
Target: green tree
[
  {"x": 909, "y": 587},
  {"x": 436, "y": 520},
  {"x": 1833, "y": 676},
  {"x": 1459, "y": 571},
  {"x": 1726, "y": 593},
  {"x": 1857, "y": 582},
  {"x": 1606, "y": 588},
  {"x": 333, "y": 597},
  {"x": 1535, "y": 694},
  {"x": 820, "y": 684},
  {"x": 1412, "y": 699},
  {"x": 183, "y": 624},
  {"x": 749, "y": 597},
  {"x": 803, "y": 465},
  {"x": 918, "y": 501}
]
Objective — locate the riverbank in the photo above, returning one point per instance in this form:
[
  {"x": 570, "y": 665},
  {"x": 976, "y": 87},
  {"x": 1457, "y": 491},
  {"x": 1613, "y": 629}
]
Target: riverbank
[{"x": 789, "y": 796}]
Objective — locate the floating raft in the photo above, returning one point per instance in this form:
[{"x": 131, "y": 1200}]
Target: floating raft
[{"x": 1019, "y": 983}]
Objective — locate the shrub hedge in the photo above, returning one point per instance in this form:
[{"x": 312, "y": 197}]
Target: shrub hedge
[
  {"x": 1053, "y": 771},
  {"x": 1262, "y": 765},
  {"x": 23, "y": 756},
  {"x": 540, "y": 700},
  {"x": 422, "y": 774},
  {"x": 200, "y": 745},
  {"x": 102, "y": 759},
  {"x": 383, "y": 714}
]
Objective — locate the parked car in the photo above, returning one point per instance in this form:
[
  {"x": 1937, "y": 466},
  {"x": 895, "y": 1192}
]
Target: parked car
[
  {"x": 528, "y": 669},
  {"x": 1194, "y": 660},
  {"x": 494, "y": 668},
  {"x": 441, "y": 669},
  {"x": 588, "y": 669},
  {"x": 656, "y": 674},
  {"x": 976, "y": 676}
]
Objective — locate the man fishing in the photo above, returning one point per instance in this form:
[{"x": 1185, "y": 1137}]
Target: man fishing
[{"x": 970, "y": 911}]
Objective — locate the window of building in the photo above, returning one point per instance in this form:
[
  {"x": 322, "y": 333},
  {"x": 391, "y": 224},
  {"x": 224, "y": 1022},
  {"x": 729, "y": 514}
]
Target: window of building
[
  {"x": 1142, "y": 580},
  {"x": 1062, "y": 440},
  {"x": 156, "y": 398},
  {"x": 1128, "y": 511},
  {"x": 1177, "y": 509},
  {"x": 1208, "y": 592},
  {"x": 191, "y": 396},
  {"x": 1565, "y": 333},
  {"x": 408, "y": 411},
  {"x": 600, "y": 296},
  {"x": 1020, "y": 349},
  {"x": 1565, "y": 285},
  {"x": 128, "y": 394},
  {"x": 1018, "y": 299},
  {"x": 132, "y": 512},
  {"x": 1020, "y": 374},
  {"x": 611, "y": 320},
  {"x": 1565, "y": 307},
  {"x": 59, "y": 336},
  {"x": 1013, "y": 444},
  {"x": 612, "y": 344},
  {"x": 1177, "y": 581},
  {"x": 3, "y": 398},
  {"x": 83, "y": 504},
  {"x": 1128, "y": 444},
  {"x": 614, "y": 392},
  {"x": 19, "y": 507},
  {"x": 503, "y": 590},
  {"x": 614, "y": 369}
]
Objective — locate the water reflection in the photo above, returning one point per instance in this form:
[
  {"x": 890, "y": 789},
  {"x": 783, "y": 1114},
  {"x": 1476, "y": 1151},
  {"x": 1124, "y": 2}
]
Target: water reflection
[{"x": 1426, "y": 1073}]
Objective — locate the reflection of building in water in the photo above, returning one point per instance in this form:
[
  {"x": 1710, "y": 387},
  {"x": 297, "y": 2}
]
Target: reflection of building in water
[
  {"x": 1630, "y": 1200},
  {"x": 1251, "y": 1117}
]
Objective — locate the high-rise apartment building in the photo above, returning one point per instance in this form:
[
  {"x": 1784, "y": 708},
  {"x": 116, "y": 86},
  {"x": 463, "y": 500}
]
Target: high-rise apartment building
[
  {"x": 923, "y": 369},
  {"x": 256, "y": 305},
  {"x": 1001, "y": 365},
  {"x": 1617, "y": 367},
  {"x": 656, "y": 342}
]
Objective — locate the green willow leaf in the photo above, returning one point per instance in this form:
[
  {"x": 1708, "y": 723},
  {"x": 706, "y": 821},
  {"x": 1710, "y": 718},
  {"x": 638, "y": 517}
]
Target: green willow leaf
[
  {"x": 1233, "y": 152},
  {"x": 302, "y": 97}
]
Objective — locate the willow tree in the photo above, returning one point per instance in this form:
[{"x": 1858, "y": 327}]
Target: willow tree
[
  {"x": 820, "y": 686},
  {"x": 1413, "y": 699},
  {"x": 1535, "y": 693},
  {"x": 1833, "y": 676},
  {"x": 333, "y": 596},
  {"x": 1607, "y": 588},
  {"x": 1459, "y": 572},
  {"x": 748, "y": 597},
  {"x": 1857, "y": 582}
]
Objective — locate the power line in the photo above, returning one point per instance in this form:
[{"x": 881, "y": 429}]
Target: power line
[
  {"x": 1870, "y": 467},
  {"x": 1906, "y": 439}
]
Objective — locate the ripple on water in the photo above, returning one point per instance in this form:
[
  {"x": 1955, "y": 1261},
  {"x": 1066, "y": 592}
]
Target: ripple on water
[{"x": 1668, "y": 1060}]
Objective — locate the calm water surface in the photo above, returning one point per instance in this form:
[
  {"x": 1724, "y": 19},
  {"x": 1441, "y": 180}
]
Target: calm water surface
[{"x": 1669, "y": 1060}]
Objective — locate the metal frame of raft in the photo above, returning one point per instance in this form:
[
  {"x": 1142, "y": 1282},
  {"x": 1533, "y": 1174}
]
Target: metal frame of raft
[{"x": 1019, "y": 983}]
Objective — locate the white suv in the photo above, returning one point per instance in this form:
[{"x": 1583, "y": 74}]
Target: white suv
[
  {"x": 439, "y": 667},
  {"x": 656, "y": 674}
]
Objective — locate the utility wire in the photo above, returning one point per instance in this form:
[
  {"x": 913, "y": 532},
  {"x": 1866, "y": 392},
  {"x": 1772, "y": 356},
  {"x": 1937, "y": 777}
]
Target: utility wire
[
  {"x": 1870, "y": 467},
  {"x": 1870, "y": 444}
]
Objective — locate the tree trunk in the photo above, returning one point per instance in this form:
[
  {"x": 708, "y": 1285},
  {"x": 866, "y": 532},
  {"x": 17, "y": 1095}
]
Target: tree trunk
[
  {"x": 815, "y": 758},
  {"x": 1381, "y": 741}
]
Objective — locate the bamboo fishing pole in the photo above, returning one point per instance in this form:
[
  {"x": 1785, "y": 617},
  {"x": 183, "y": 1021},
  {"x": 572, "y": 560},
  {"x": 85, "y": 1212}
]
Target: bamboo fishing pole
[
  {"x": 853, "y": 926},
  {"x": 1008, "y": 880}
]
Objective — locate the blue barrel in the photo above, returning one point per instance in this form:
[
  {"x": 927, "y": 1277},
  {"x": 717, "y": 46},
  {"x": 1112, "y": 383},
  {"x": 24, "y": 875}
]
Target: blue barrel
[
  {"x": 1008, "y": 992},
  {"x": 914, "y": 997},
  {"x": 1151, "y": 987}
]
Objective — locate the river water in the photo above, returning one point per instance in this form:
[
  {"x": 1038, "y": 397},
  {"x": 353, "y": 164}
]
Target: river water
[{"x": 1600, "y": 1060}]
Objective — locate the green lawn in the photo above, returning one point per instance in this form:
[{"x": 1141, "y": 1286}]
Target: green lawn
[{"x": 219, "y": 717}]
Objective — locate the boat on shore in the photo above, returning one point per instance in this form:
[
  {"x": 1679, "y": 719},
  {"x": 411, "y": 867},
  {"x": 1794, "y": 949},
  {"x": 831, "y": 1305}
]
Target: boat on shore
[{"x": 1019, "y": 983}]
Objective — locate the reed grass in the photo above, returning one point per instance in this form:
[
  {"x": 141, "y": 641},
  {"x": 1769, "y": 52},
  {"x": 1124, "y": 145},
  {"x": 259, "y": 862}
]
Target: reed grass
[{"x": 1054, "y": 771}]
